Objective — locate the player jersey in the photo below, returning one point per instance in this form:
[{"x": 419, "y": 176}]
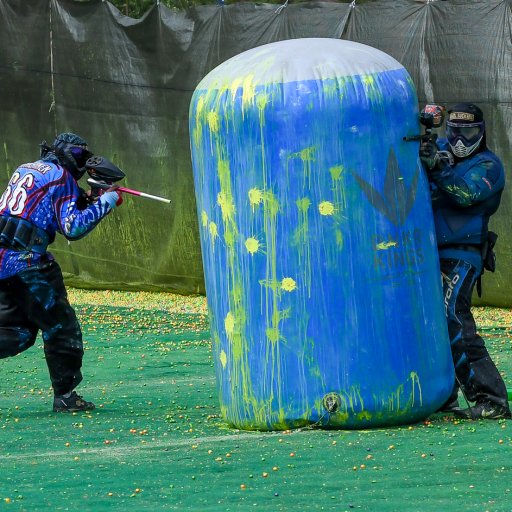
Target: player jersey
[
  {"x": 45, "y": 194},
  {"x": 464, "y": 196}
]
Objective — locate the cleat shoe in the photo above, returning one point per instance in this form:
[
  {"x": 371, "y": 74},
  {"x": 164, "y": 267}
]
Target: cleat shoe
[
  {"x": 73, "y": 403},
  {"x": 486, "y": 411}
]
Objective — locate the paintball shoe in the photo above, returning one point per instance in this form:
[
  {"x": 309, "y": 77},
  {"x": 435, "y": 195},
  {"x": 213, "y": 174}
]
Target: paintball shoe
[
  {"x": 485, "y": 411},
  {"x": 73, "y": 403}
]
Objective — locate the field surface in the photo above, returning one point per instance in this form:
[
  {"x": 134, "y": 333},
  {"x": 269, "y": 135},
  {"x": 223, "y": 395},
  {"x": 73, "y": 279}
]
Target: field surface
[{"x": 156, "y": 440}]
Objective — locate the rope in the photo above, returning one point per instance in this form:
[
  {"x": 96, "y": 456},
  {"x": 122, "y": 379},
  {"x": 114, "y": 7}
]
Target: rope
[
  {"x": 281, "y": 7},
  {"x": 52, "y": 92}
]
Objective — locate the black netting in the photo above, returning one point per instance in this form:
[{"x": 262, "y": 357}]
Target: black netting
[{"x": 125, "y": 86}]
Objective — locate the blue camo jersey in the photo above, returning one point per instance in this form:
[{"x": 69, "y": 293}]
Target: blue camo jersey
[
  {"x": 45, "y": 194},
  {"x": 464, "y": 196}
]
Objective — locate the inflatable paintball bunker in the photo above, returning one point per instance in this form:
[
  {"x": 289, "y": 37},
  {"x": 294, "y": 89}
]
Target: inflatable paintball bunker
[{"x": 320, "y": 263}]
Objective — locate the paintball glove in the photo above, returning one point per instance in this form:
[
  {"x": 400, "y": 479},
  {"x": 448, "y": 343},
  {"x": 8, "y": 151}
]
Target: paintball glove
[
  {"x": 428, "y": 153},
  {"x": 444, "y": 158},
  {"x": 432, "y": 157},
  {"x": 112, "y": 197},
  {"x": 83, "y": 200}
]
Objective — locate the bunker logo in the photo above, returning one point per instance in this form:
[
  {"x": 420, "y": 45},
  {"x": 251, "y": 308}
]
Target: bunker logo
[{"x": 396, "y": 200}]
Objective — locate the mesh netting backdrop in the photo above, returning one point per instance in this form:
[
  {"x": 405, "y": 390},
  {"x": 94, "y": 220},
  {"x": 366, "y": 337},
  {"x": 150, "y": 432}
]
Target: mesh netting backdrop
[{"x": 125, "y": 85}]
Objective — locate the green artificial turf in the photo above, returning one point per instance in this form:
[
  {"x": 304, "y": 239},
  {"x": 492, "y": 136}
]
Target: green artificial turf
[{"x": 157, "y": 442}]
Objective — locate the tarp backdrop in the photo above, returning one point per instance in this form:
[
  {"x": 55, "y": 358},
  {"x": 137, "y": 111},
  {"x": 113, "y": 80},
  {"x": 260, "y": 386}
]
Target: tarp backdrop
[{"x": 125, "y": 85}]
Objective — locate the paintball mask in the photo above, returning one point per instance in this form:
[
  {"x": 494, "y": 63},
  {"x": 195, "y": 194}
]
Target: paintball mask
[
  {"x": 72, "y": 153},
  {"x": 465, "y": 129}
]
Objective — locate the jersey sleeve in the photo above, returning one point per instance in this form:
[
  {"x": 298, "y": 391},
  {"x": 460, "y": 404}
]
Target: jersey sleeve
[
  {"x": 75, "y": 223},
  {"x": 475, "y": 184}
]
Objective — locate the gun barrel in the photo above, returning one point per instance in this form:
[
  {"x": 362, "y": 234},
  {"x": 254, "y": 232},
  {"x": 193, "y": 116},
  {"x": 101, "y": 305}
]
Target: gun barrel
[
  {"x": 143, "y": 194},
  {"x": 103, "y": 185}
]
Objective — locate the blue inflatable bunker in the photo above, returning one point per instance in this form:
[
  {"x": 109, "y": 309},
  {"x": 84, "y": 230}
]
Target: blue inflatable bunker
[{"x": 320, "y": 263}]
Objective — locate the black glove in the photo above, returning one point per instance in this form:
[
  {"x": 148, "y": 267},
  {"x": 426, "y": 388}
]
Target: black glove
[
  {"x": 444, "y": 158},
  {"x": 428, "y": 154},
  {"x": 83, "y": 200}
]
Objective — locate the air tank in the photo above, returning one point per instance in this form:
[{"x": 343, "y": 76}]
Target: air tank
[{"x": 320, "y": 262}]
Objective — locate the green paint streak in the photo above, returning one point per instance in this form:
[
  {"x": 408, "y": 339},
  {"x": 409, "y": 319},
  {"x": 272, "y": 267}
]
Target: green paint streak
[
  {"x": 338, "y": 186},
  {"x": 237, "y": 364},
  {"x": 273, "y": 315},
  {"x": 373, "y": 89},
  {"x": 307, "y": 155},
  {"x": 300, "y": 238}
]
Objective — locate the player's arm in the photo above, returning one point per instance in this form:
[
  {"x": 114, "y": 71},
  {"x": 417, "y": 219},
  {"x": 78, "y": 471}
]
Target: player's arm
[{"x": 73, "y": 220}]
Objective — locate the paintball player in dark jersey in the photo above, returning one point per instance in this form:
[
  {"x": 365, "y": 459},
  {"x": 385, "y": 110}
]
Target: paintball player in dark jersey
[
  {"x": 466, "y": 181},
  {"x": 43, "y": 198}
]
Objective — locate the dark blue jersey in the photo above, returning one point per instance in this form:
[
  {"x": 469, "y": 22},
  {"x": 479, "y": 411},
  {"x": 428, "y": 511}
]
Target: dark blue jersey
[
  {"x": 464, "y": 196},
  {"x": 46, "y": 194}
]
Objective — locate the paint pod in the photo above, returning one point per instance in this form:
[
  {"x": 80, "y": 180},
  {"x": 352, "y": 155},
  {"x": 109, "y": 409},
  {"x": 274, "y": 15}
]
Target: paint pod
[{"x": 321, "y": 270}]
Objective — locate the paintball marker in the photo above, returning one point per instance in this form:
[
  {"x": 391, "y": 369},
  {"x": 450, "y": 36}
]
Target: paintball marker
[
  {"x": 103, "y": 174},
  {"x": 432, "y": 116}
]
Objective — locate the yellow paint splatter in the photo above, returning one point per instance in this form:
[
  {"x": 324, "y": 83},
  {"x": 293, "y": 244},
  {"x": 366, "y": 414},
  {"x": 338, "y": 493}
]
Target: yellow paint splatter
[
  {"x": 364, "y": 415},
  {"x": 273, "y": 334},
  {"x": 226, "y": 205},
  {"x": 261, "y": 101},
  {"x": 252, "y": 245},
  {"x": 255, "y": 197},
  {"x": 326, "y": 208},
  {"x": 214, "y": 233},
  {"x": 229, "y": 238},
  {"x": 288, "y": 284},
  {"x": 235, "y": 85},
  {"x": 229, "y": 324},
  {"x": 249, "y": 88},
  {"x": 204, "y": 219},
  {"x": 199, "y": 106},
  {"x": 368, "y": 80},
  {"x": 223, "y": 358},
  {"x": 336, "y": 172},
  {"x": 307, "y": 154},
  {"x": 213, "y": 121},
  {"x": 303, "y": 204},
  {"x": 382, "y": 246}
]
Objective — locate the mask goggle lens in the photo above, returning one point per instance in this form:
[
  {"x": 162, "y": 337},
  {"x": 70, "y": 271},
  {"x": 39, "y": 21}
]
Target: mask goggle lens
[
  {"x": 468, "y": 133},
  {"x": 81, "y": 155}
]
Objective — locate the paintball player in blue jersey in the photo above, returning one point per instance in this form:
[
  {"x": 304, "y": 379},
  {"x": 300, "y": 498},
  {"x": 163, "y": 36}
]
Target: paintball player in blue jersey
[
  {"x": 43, "y": 198},
  {"x": 466, "y": 181}
]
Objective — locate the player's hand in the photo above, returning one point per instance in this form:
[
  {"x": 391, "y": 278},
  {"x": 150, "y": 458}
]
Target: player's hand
[
  {"x": 113, "y": 196},
  {"x": 428, "y": 154}
]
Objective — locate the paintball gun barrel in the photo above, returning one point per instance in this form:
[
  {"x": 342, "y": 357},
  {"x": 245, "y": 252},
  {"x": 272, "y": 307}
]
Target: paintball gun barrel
[
  {"x": 103, "y": 174},
  {"x": 431, "y": 116}
]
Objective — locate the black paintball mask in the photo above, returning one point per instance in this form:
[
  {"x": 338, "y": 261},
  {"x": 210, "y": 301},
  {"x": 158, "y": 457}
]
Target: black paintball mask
[
  {"x": 70, "y": 151},
  {"x": 465, "y": 130}
]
